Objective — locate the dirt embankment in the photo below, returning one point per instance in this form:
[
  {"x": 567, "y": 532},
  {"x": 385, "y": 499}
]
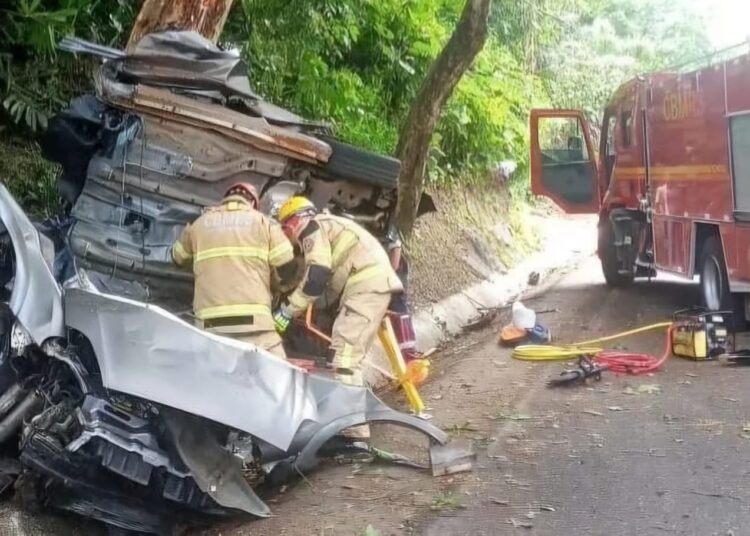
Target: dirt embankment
[{"x": 476, "y": 232}]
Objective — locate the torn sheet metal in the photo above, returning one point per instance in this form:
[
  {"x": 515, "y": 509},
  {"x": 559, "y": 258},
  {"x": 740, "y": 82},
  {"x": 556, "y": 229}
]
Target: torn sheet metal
[
  {"x": 216, "y": 471},
  {"x": 145, "y": 351},
  {"x": 188, "y": 60},
  {"x": 36, "y": 299},
  {"x": 255, "y": 131}
]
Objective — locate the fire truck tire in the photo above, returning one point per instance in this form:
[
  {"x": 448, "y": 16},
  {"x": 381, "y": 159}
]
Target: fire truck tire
[
  {"x": 714, "y": 283},
  {"x": 609, "y": 260}
]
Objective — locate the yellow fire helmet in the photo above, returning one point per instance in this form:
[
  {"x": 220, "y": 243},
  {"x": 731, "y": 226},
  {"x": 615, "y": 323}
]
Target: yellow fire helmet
[{"x": 293, "y": 206}]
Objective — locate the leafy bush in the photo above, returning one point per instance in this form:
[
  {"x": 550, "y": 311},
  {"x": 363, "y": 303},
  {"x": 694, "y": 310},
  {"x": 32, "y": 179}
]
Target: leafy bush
[
  {"x": 36, "y": 81},
  {"x": 29, "y": 177}
]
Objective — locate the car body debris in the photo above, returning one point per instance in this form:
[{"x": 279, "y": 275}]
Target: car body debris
[{"x": 121, "y": 409}]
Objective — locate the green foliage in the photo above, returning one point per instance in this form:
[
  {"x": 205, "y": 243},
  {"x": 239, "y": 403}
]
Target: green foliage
[
  {"x": 36, "y": 81},
  {"x": 485, "y": 121},
  {"x": 29, "y": 177},
  {"x": 371, "y": 531},
  {"x": 616, "y": 41},
  {"x": 354, "y": 63},
  {"x": 359, "y": 63}
]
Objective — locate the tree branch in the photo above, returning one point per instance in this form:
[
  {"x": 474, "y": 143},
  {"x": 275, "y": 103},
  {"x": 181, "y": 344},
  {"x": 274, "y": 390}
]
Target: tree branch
[{"x": 446, "y": 71}]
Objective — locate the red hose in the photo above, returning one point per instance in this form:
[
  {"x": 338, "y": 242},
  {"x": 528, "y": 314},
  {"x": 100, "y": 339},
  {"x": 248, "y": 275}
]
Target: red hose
[{"x": 622, "y": 362}]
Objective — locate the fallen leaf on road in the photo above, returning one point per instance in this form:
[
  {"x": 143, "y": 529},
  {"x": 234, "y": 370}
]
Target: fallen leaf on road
[
  {"x": 514, "y": 416},
  {"x": 514, "y": 482},
  {"x": 614, "y": 408},
  {"x": 521, "y": 524},
  {"x": 707, "y": 424},
  {"x": 436, "y": 397},
  {"x": 649, "y": 388},
  {"x": 690, "y": 374},
  {"x": 730, "y": 399},
  {"x": 547, "y": 509},
  {"x": 531, "y": 515},
  {"x": 371, "y": 531},
  {"x": 628, "y": 391},
  {"x": 679, "y": 440},
  {"x": 501, "y": 502},
  {"x": 746, "y": 427},
  {"x": 592, "y": 412}
]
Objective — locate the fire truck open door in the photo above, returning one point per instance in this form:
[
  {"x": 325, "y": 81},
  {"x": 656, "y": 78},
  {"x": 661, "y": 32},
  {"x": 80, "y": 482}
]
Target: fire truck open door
[{"x": 563, "y": 162}]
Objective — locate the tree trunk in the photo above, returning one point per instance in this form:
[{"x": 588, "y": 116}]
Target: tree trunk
[
  {"x": 445, "y": 72},
  {"x": 206, "y": 17}
]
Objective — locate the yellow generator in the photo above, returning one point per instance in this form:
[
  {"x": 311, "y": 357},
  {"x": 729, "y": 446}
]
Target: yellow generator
[{"x": 701, "y": 335}]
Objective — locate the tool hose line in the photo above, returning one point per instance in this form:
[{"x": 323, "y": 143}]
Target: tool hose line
[
  {"x": 634, "y": 363},
  {"x": 616, "y": 360}
]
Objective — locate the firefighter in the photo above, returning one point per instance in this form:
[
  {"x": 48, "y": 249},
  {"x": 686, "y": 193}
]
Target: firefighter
[
  {"x": 233, "y": 249},
  {"x": 344, "y": 261}
]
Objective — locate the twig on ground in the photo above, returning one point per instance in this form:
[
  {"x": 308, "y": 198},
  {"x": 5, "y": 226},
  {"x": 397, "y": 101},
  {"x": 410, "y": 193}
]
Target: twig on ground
[
  {"x": 312, "y": 487},
  {"x": 715, "y": 495}
]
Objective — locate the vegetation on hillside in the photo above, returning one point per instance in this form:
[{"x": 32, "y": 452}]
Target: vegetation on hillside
[{"x": 358, "y": 64}]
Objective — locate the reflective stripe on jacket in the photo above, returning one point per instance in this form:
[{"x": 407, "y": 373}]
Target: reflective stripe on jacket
[
  {"x": 356, "y": 260},
  {"x": 232, "y": 249}
]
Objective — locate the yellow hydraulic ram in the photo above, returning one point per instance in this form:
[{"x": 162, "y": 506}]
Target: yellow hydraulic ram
[
  {"x": 395, "y": 358},
  {"x": 539, "y": 352},
  {"x": 398, "y": 366}
]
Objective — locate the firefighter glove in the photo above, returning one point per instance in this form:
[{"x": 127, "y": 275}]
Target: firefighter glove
[{"x": 282, "y": 317}]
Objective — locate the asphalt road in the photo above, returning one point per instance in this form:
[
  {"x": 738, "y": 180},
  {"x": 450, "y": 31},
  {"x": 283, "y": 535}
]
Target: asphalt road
[
  {"x": 653, "y": 455},
  {"x": 664, "y": 454}
]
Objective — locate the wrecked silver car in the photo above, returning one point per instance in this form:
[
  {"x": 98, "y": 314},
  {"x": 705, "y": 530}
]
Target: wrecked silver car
[{"x": 112, "y": 404}]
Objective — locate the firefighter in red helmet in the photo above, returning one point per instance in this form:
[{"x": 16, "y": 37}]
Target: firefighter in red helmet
[{"x": 233, "y": 249}]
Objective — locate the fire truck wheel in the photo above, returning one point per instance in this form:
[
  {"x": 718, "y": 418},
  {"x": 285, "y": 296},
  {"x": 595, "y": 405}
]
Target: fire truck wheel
[
  {"x": 609, "y": 260},
  {"x": 715, "y": 294}
]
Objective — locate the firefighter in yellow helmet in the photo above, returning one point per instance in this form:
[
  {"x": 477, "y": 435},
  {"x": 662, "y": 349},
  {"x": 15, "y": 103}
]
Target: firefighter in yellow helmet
[
  {"x": 345, "y": 261},
  {"x": 233, "y": 249}
]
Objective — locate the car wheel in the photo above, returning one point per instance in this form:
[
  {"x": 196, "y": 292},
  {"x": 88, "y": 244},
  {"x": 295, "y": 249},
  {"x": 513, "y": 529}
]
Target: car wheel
[{"x": 360, "y": 165}]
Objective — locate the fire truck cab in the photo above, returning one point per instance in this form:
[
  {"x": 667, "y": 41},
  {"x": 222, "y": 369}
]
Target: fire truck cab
[{"x": 669, "y": 177}]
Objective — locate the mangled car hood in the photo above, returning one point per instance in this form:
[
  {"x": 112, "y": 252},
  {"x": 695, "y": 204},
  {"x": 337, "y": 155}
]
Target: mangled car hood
[{"x": 145, "y": 351}]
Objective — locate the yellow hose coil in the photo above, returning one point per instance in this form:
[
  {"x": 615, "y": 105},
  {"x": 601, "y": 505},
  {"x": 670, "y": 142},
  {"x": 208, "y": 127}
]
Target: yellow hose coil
[{"x": 541, "y": 352}]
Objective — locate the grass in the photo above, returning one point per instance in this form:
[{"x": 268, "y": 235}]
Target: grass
[
  {"x": 444, "y": 502},
  {"x": 29, "y": 177}
]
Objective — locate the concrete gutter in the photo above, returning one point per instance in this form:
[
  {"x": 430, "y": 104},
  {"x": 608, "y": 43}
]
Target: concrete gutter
[{"x": 565, "y": 242}]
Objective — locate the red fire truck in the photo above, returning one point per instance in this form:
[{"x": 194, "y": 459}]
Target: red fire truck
[{"x": 670, "y": 179}]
